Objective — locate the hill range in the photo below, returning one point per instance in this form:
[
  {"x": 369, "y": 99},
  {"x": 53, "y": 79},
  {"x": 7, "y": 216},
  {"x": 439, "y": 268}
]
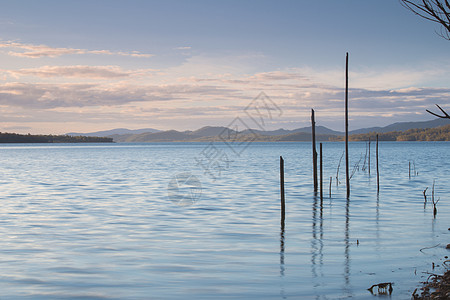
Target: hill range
[{"x": 217, "y": 133}]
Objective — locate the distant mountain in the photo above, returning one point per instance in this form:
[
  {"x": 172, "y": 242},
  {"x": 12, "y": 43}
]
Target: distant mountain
[
  {"x": 403, "y": 126},
  {"x": 162, "y": 136},
  {"x": 319, "y": 130},
  {"x": 212, "y": 131},
  {"x": 304, "y": 137},
  {"x": 208, "y": 134},
  {"x": 117, "y": 131},
  {"x": 218, "y": 133}
]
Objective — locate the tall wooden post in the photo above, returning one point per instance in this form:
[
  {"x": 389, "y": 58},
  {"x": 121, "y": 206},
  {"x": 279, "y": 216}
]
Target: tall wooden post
[
  {"x": 347, "y": 175},
  {"x": 282, "y": 190},
  {"x": 314, "y": 152},
  {"x": 378, "y": 172},
  {"x": 369, "y": 156},
  {"x": 321, "y": 173}
]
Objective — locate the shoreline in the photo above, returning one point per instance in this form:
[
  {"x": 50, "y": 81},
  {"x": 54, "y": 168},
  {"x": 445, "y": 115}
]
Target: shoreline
[{"x": 437, "y": 288}]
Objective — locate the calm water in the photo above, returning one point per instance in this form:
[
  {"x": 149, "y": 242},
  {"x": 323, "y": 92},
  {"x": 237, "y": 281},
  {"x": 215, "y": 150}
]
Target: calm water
[{"x": 114, "y": 221}]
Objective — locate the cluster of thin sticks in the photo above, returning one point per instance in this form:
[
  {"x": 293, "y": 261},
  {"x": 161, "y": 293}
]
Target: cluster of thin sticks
[{"x": 433, "y": 200}]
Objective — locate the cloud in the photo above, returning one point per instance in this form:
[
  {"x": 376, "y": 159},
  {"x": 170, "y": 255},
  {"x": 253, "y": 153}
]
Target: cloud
[
  {"x": 37, "y": 51},
  {"x": 98, "y": 72},
  {"x": 209, "y": 91},
  {"x": 50, "y": 96},
  {"x": 183, "y": 48}
]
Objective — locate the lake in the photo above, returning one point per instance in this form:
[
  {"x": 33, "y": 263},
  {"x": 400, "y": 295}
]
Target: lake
[{"x": 202, "y": 221}]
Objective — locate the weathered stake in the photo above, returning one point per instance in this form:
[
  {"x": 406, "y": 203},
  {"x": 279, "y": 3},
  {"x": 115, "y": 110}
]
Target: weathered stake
[
  {"x": 282, "y": 190},
  {"x": 347, "y": 175},
  {"x": 314, "y": 152},
  {"x": 425, "y": 197},
  {"x": 434, "y": 202},
  {"x": 369, "y": 156},
  {"x": 378, "y": 171},
  {"x": 321, "y": 173},
  {"x": 331, "y": 179}
]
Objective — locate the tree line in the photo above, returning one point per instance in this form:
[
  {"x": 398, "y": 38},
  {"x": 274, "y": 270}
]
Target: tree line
[
  {"x": 30, "y": 138},
  {"x": 429, "y": 134}
]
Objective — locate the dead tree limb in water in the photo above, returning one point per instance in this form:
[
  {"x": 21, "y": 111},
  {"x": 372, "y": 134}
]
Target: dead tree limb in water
[
  {"x": 338, "y": 167},
  {"x": 434, "y": 202},
  {"x": 432, "y": 192},
  {"x": 365, "y": 159},
  {"x": 383, "y": 288},
  {"x": 356, "y": 167},
  {"x": 425, "y": 197},
  {"x": 434, "y": 207}
]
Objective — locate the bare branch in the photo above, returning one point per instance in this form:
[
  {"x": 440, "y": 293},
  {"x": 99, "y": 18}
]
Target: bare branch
[
  {"x": 437, "y": 11},
  {"x": 445, "y": 116}
]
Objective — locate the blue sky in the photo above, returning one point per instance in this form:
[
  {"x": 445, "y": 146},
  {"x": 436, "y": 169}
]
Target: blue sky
[{"x": 96, "y": 65}]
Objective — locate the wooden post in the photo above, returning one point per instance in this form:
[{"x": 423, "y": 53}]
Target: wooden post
[
  {"x": 347, "y": 175},
  {"x": 409, "y": 170},
  {"x": 321, "y": 173},
  {"x": 378, "y": 171},
  {"x": 313, "y": 126},
  {"x": 369, "y": 156},
  {"x": 282, "y": 190},
  {"x": 331, "y": 179}
]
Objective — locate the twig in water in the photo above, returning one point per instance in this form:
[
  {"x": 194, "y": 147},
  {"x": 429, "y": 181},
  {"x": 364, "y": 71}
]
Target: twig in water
[
  {"x": 434, "y": 207},
  {"x": 382, "y": 288},
  {"x": 429, "y": 247},
  {"x": 432, "y": 192},
  {"x": 425, "y": 197},
  {"x": 365, "y": 159},
  {"x": 337, "y": 171},
  {"x": 331, "y": 179},
  {"x": 434, "y": 202},
  {"x": 356, "y": 167}
]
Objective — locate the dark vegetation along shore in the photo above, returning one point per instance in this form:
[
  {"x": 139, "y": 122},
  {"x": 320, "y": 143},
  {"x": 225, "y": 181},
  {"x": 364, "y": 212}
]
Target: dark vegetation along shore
[
  {"x": 29, "y": 138},
  {"x": 431, "y": 134},
  {"x": 437, "y": 287},
  {"x": 225, "y": 134}
]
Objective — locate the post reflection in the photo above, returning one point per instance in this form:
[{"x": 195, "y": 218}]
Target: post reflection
[
  {"x": 317, "y": 240},
  {"x": 282, "y": 269},
  {"x": 377, "y": 222},
  {"x": 347, "y": 245},
  {"x": 282, "y": 249}
]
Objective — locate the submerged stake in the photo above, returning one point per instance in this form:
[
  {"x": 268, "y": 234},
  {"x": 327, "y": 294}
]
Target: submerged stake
[
  {"x": 347, "y": 175},
  {"x": 378, "y": 171},
  {"x": 321, "y": 173},
  {"x": 314, "y": 152},
  {"x": 282, "y": 189}
]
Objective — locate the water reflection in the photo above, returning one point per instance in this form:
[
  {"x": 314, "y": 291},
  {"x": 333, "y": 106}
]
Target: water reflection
[
  {"x": 377, "y": 222},
  {"x": 317, "y": 240},
  {"x": 282, "y": 248},
  {"x": 347, "y": 246},
  {"x": 282, "y": 269}
]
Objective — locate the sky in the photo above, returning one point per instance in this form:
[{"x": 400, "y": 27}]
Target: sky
[{"x": 86, "y": 66}]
